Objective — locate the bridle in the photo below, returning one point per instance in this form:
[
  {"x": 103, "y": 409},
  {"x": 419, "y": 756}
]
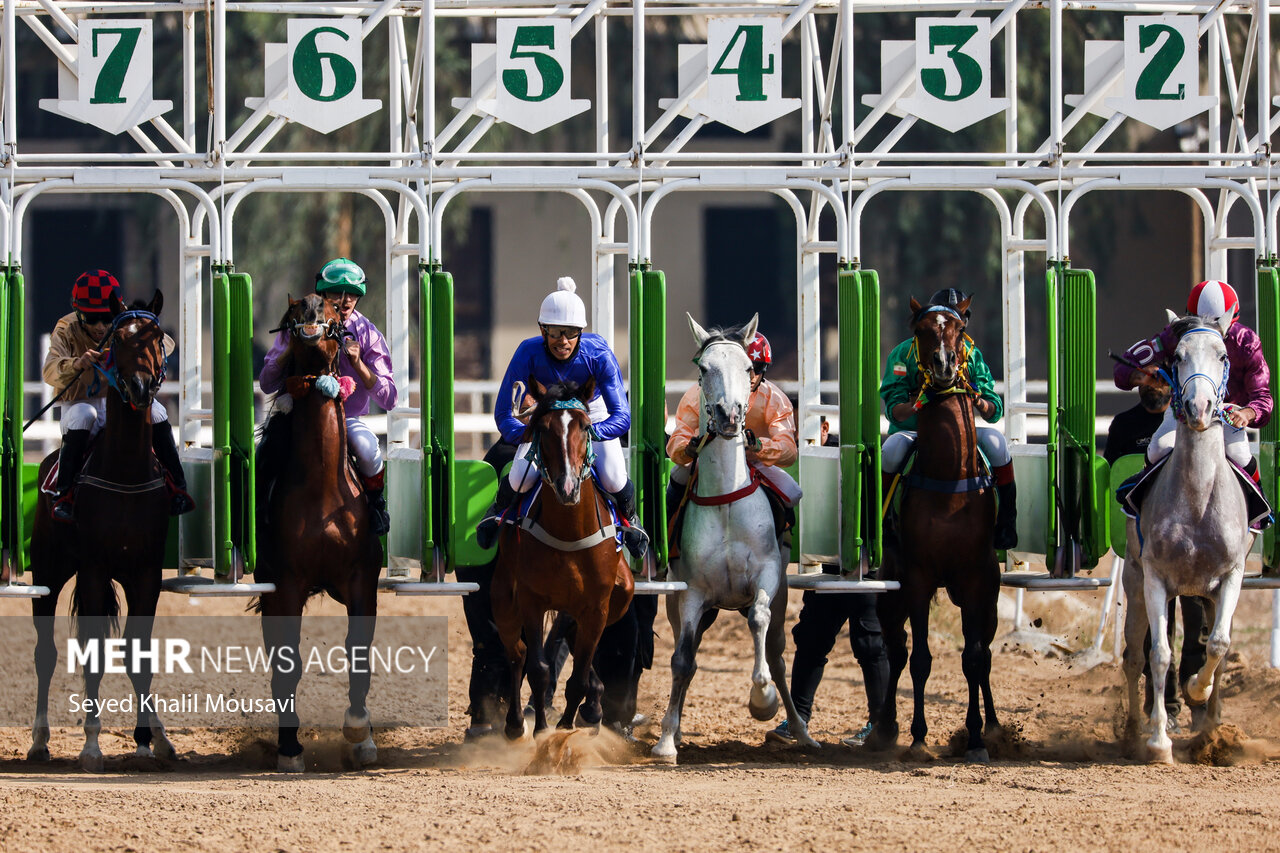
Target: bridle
[
  {"x": 707, "y": 407},
  {"x": 1178, "y": 386},
  {"x": 535, "y": 447},
  {"x": 107, "y": 368},
  {"x": 962, "y": 384}
]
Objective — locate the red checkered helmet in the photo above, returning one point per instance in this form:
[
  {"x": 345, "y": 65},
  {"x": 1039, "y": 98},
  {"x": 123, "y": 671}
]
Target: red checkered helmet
[
  {"x": 758, "y": 350},
  {"x": 1215, "y": 301},
  {"x": 92, "y": 291}
]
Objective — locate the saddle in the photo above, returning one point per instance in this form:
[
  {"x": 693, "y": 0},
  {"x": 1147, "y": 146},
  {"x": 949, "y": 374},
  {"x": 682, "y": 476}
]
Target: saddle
[
  {"x": 523, "y": 514},
  {"x": 1132, "y": 492},
  {"x": 784, "y": 516},
  {"x": 49, "y": 484}
]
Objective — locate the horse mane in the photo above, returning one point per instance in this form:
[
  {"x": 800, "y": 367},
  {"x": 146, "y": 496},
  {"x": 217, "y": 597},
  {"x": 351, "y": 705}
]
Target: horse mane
[
  {"x": 1185, "y": 324},
  {"x": 561, "y": 393},
  {"x": 716, "y": 334}
]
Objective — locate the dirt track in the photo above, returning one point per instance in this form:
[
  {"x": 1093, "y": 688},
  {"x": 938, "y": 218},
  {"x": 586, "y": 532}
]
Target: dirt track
[{"x": 1059, "y": 779}]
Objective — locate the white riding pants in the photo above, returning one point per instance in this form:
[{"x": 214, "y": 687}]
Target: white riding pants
[
  {"x": 610, "y": 466},
  {"x": 92, "y": 414},
  {"x": 363, "y": 444},
  {"x": 1236, "y": 439},
  {"x": 897, "y": 446}
]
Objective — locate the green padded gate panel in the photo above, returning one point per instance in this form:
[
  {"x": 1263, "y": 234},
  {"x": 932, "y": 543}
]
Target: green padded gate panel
[
  {"x": 1124, "y": 468},
  {"x": 436, "y": 415},
  {"x": 475, "y": 486},
  {"x": 12, "y": 535},
  {"x": 652, "y": 414},
  {"x": 849, "y": 294},
  {"x": 241, "y": 425},
  {"x": 869, "y": 352},
  {"x": 426, "y": 408},
  {"x": 1269, "y": 331}
]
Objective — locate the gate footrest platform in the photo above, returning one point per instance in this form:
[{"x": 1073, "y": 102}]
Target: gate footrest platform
[
  {"x": 1042, "y": 582},
  {"x": 200, "y": 585},
  {"x": 22, "y": 590},
  {"x": 820, "y": 582},
  {"x": 1251, "y": 581},
  {"x": 430, "y": 588},
  {"x": 659, "y": 587}
]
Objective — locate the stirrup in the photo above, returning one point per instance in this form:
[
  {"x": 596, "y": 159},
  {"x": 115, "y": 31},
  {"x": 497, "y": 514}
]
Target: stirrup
[
  {"x": 635, "y": 540},
  {"x": 64, "y": 509},
  {"x": 488, "y": 529},
  {"x": 180, "y": 503}
]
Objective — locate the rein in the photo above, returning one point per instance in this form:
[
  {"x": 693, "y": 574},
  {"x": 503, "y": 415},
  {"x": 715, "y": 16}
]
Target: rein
[
  {"x": 107, "y": 371},
  {"x": 962, "y": 385},
  {"x": 535, "y": 447}
]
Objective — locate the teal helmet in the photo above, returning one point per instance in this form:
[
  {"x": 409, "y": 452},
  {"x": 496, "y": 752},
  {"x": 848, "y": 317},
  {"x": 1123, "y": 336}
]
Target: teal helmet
[{"x": 341, "y": 275}]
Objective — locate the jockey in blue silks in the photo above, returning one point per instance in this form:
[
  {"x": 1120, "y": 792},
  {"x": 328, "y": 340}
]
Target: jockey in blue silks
[{"x": 561, "y": 354}]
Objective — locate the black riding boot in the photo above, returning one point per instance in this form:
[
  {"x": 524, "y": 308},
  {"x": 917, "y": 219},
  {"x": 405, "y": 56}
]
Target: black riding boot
[
  {"x": 75, "y": 443},
  {"x": 373, "y": 491},
  {"x": 890, "y": 523},
  {"x": 636, "y": 540},
  {"x": 1006, "y": 533},
  {"x": 487, "y": 530},
  {"x": 162, "y": 444}
]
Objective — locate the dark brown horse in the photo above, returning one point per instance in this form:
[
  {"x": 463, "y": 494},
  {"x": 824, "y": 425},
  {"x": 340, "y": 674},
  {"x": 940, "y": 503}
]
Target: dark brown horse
[
  {"x": 562, "y": 557},
  {"x": 315, "y": 532},
  {"x": 945, "y": 534},
  {"x": 121, "y": 521}
]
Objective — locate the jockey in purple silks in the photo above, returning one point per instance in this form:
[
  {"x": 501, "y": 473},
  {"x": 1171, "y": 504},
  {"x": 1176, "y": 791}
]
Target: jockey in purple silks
[
  {"x": 1248, "y": 390},
  {"x": 364, "y": 358}
]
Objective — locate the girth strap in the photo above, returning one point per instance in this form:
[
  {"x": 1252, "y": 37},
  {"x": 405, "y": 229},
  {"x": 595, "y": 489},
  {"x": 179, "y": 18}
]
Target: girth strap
[
  {"x": 720, "y": 500},
  {"x": 121, "y": 488},
  {"x": 954, "y": 487},
  {"x": 604, "y": 534}
]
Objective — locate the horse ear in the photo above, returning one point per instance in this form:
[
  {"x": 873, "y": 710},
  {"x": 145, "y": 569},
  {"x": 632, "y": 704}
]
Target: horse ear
[
  {"x": 699, "y": 334},
  {"x": 587, "y": 390},
  {"x": 1173, "y": 318},
  {"x": 157, "y": 303},
  {"x": 117, "y": 307},
  {"x": 537, "y": 389},
  {"x": 963, "y": 308},
  {"x": 292, "y": 301},
  {"x": 915, "y": 306},
  {"x": 749, "y": 330}
]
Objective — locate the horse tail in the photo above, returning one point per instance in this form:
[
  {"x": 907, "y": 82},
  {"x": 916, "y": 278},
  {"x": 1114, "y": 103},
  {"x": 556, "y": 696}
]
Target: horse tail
[{"x": 110, "y": 615}]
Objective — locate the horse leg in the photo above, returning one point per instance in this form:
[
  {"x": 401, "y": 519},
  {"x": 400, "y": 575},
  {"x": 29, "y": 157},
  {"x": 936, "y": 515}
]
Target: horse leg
[
  {"x": 537, "y": 669},
  {"x": 357, "y": 730},
  {"x": 95, "y": 599},
  {"x": 579, "y": 684},
  {"x": 775, "y": 646},
  {"x": 684, "y": 611},
  {"x": 1157, "y": 612},
  {"x": 281, "y": 633},
  {"x": 1201, "y": 685},
  {"x": 990, "y": 612},
  {"x": 141, "y": 598},
  {"x": 43, "y": 611},
  {"x": 893, "y": 616},
  {"x": 763, "y": 701},
  {"x": 975, "y": 660},
  {"x": 1135, "y": 634},
  {"x": 921, "y": 666}
]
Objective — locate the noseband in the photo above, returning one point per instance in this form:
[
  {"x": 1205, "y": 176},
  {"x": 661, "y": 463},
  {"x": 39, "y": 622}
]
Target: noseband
[
  {"x": 1178, "y": 385},
  {"x": 107, "y": 370},
  {"x": 535, "y": 447}
]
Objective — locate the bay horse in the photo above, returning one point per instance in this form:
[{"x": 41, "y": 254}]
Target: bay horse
[
  {"x": 729, "y": 552},
  {"x": 946, "y": 528},
  {"x": 121, "y": 522},
  {"x": 562, "y": 556},
  {"x": 315, "y": 532},
  {"x": 1192, "y": 538}
]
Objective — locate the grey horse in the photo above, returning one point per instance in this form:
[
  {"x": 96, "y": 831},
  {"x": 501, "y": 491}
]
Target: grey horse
[
  {"x": 1192, "y": 539},
  {"x": 729, "y": 553}
]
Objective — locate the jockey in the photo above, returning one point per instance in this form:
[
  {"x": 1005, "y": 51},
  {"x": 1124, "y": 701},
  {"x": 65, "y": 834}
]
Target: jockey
[
  {"x": 1248, "y": 381},
  {"x": 770, "y": 433},
  {"x": 564, "y": 353},
  {"x": 900, "y": 388},
  {"x": 365, "y": 358},
  {"x": 70, "y": 367}
]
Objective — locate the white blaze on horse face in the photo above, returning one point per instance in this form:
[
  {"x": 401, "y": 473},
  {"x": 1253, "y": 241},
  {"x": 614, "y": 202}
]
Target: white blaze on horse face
[{"x": 567, "y": 483}]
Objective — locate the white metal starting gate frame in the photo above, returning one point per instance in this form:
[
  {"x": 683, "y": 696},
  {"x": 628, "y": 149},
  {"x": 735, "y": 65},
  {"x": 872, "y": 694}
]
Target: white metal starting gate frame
[{"x": 737, "y": 65}]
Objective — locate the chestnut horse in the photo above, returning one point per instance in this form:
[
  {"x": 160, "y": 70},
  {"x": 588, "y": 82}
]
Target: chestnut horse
[
  {"x": 562, "y": 557},
  {"x": 121, "y": 521},
  {"x": 315, "y": 533},
  {"x": 945, "y": 534}
]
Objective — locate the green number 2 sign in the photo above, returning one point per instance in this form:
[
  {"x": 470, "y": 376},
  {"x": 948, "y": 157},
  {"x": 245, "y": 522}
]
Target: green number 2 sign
[{"x": 1152, "y": 80}]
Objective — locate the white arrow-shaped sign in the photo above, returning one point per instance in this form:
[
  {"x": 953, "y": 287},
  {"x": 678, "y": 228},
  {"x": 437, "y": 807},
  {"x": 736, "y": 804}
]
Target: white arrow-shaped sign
[
  {"x": 744, "y": 73},
  {"x": 113, "y": 87},
  {"x": 1161, "y": 70},
  {"x": 1100, "y": 58},
  {"x": 321, "y": 71},
  {"x": 896, "y": 58},
  {"x": 531, "y": 64},
  {"x": 953, "y": 73}
]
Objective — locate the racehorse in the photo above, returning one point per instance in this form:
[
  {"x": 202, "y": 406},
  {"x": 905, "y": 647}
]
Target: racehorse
[
  {"x": 729, "y": 552},
  {"x": 562, "y": 556},
  {"x": 121, "y": 522},
  {"x": 1192, "y": 538},
  {"x": 945, "y": 536},
  {"x": 314, "y": 526}
]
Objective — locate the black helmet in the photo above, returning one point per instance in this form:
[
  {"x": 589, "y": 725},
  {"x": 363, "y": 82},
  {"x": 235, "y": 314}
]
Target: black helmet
[{"x": 950, "y": 297}]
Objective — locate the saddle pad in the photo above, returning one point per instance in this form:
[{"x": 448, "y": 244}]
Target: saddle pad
[
  {"x": 524, "y": 507},
  {"x": 1131, "y": 495}
]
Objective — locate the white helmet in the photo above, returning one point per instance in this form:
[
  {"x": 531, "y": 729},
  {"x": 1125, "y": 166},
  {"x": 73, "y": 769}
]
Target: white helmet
[{"x": 564, "y": 306}]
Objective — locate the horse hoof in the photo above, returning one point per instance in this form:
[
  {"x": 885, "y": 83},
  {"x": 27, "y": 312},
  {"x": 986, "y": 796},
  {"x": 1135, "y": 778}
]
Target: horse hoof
[
  {"x": 664, "y": 754},
  {"x": 38, "y": 753},
  {"x": 144, "y": 751},
  {"x": 1162, "y": 754},
  {"x": 978, "y": 756},
  {"x": 355, "y": 729},
  {"x": 91, "y": 762},
  {"x": 514, "y": 732},
  {"x": 164, "y": 749},
  {"x": 290, "y": 763},
  {"x": 919, "y": 752},
  {"x": 362, "y": 754},
  {"x": 763, "y": 703},
  {"x": 1197, "y": 697}
]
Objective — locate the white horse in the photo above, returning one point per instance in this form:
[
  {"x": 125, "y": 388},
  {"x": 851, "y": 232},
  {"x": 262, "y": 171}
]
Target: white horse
[
  {"x": 1192, "y": 539},
  {"x": 729, "y": 552}
]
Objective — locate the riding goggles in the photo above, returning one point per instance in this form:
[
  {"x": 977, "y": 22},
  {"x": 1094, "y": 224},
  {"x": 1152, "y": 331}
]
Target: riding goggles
[
  {"x": 571, "y": 333},
  {"x": 94, "y": 318},
  {"x": 341, "y": 275}
]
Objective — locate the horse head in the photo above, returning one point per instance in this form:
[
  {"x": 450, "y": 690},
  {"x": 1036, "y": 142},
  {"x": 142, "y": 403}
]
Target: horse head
[
  {"x": 724, "y": 375},
  {"x": 939, "y": 334},
  {"x": 136, "y": 343},
  {"x": 561, "y": 433},
  {"x": 1198, "y": 371},
  {"x": 315, "y": 333}
]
